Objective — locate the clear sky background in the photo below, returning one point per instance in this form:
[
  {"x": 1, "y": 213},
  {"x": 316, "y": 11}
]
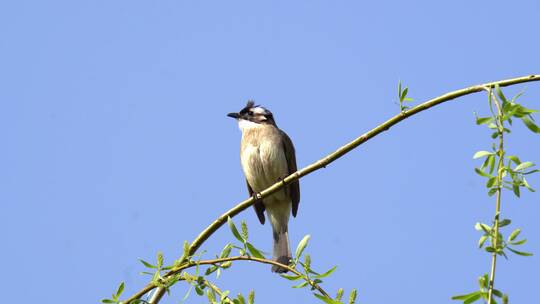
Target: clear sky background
[{"x": 115, "y": 142}]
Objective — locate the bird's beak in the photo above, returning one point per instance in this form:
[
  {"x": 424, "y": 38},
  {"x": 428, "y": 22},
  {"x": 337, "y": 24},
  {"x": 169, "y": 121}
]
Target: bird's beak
[{"x": 234, "y": 115}]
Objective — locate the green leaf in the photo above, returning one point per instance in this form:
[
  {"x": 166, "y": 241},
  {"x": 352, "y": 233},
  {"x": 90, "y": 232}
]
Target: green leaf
[
  {"x": 523, "y": 165},
  {"x": 241, "y": 299},
  {"x": 211, "y": 296},
  {"x": 404, "y": 93},
  {"x": 324, "y": 275},
  {"x": 530, "y": 124},
  {"x": 145, "y": 263},
  {"x": 530, "y": 172},
  {"x": 199, "y": 291},
  {"x": 465, "y": 297},
  {"x": 339, "y": 294},
  {"x": 500, "y": 93},
  {"x": 483, "y": 281},
  {"x": 291, "y": 277},
  {"x": 514, "y": 234},
  {"x": 520, "y": 242},
  {"x": 482, "y": 173},
  {"x": 211, "y": 270},
  {"x": 251, "y": 297},
  {"x": 516, "y": 97},
  {"x": 515, "y": 188},
  {"x": 514, "y": 158},
  {"x": 301, "y": 285},
  {"x": 159, "y": 259},
  {"x": 526, "y": 184},
  {"x": 472, "y": 299},
  {"x": 254, "y": 251},
  {"x": 226, "y": 265},
  {"x": 504, "y": 222},
  {"x": 326, "y": 300},
  {"x": 301, "y": 246},
  {"x": 226, "y": 251},
  {"x": 234, "y": 230},
  {"x": 119, "y": 290},
  {"x": 352, "y": 296},
  {"x": 186, "y": 248},
  {"x": 481, "y": 154},
  {"x": 307, "y": 262},
  {"x": 520, "y": 252},
  {"x": 483, "y": 120},
  {"x": 491, "y": 181},
  {"x": 490, "y": 249},
  {"x": 482, "y": 241},
  {"x": 108, "y": 301},
  {"x": 187, "y": 293},
  {"x": 244, "y": 231},
  {"x": 481, "y": 226},
  {"x": 522, "y": 111},
  {"x": 491, "y": 163},
  {"x": 497, "y": 293}
]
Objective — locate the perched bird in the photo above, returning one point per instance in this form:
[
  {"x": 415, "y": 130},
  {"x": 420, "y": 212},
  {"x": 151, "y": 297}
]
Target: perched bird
[{"x": 267, "y": 156}]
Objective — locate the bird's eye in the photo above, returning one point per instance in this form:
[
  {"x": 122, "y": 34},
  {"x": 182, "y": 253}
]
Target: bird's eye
[{"x": 250, "y": 113}]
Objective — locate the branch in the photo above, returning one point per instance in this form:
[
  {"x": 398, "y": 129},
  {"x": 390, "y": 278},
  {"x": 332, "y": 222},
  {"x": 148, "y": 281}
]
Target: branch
[
  {"x": 500, "y": 171},
  {"x": 218, "y": 261},
  {"x": 322, "y": 163},
  {"x": 258, "y": 260}
]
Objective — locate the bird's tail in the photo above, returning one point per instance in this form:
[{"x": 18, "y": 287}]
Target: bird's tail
[{"x": 282, "y": 252}]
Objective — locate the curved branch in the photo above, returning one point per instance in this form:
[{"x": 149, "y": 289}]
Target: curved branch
[
  {"x": 185, "y": 266},
  {"x": 323, "y": 162},
  {"x": 258, "y": 260}
]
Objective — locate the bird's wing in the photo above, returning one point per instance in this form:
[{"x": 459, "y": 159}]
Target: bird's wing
[
  {"x": 294, "y": 187},
  {"x": 258, "y": 206}
]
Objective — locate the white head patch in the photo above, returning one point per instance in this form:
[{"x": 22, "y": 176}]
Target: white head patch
[{"x": 259, "y": 110}]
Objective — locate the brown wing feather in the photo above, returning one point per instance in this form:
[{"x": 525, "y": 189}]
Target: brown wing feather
[
  {"x": 258, "y": 206},
  {"x": 294, "y": 187}
]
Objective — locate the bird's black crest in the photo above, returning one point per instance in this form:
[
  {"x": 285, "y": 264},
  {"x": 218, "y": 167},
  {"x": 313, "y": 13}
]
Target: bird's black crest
[{"x": 250, "y": 105}]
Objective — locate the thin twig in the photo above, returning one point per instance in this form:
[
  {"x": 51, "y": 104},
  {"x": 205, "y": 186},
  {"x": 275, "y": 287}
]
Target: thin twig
[{"x": 322, "y": 163}]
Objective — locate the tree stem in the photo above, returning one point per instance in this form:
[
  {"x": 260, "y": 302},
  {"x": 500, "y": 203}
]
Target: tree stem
[{"x": 500, "y": 170}]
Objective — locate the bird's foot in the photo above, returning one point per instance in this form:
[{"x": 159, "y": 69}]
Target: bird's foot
[{"x": 257, "y": 197}]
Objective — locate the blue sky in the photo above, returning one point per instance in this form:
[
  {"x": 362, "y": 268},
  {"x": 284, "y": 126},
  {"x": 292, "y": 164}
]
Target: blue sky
[{"x": 116, "y": 144}]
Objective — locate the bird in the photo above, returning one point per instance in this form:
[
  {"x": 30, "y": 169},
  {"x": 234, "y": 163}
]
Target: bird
[{"x": 267, "y": 156}]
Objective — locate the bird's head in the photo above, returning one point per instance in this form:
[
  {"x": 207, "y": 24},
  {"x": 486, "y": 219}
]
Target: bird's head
[{"x": 253, "y": 114}]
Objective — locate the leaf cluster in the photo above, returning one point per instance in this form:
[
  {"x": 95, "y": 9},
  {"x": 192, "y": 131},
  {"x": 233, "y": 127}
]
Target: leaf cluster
[
  {"x": 402, "y": 97},
  {"x": 500, "y": 245},
  {"x": 482, "y": 293}
]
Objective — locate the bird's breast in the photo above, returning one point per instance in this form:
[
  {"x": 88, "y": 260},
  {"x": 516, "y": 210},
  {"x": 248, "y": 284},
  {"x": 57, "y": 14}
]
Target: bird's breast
[{"x": 263, "y": 159}]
